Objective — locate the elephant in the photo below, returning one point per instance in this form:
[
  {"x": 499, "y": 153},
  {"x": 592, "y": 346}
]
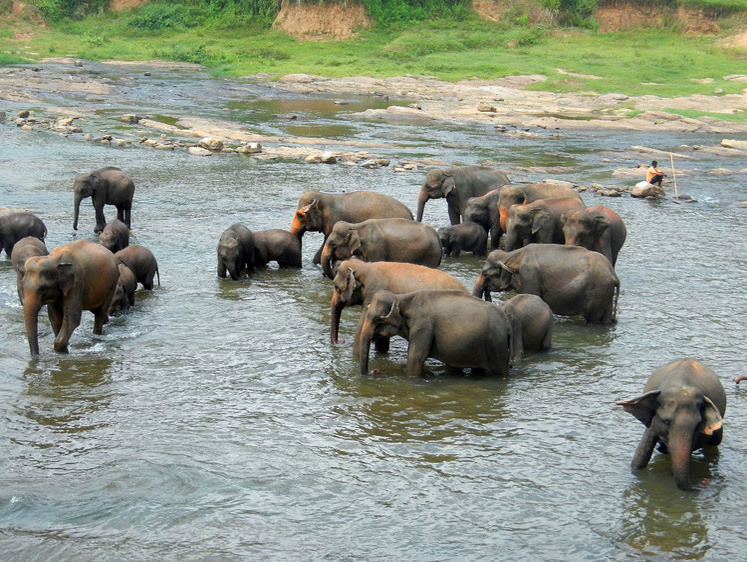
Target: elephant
[
  {"x": 451, "y": 326},
  {"x": 105, "y": 186},
  {"x": 24, "y": 249},
  {"x": 142, "y": 262},
  {"x": 470, "y": 237},
  {"x": 115, "y": 236},
  {"x": 75, "y": 277},
  {"x": 531, "y": 323},
  {"x": 124, "y": 294},
  {"x": 14, "y": 226},
  {"x": 682, "y": 408},
  {"x": 319, "y": 212},
  {"x": 539, "y": 221},
  {"x": 457, "y": 185},
  {"x": 570, "y": 279},
  {"x": 277, "y": 245},
  {"x": 357, "y": 281},
  {"x": 597, "y": 228},
  {"x": 402, "y": 240},
  {"x": 528, "y": 193},
  {"x": 483, "y": 210},
  {"x": 235, "y": 252}
]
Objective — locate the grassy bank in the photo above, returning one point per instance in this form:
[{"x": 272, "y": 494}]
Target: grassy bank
[{"x": 660, "y": 62}]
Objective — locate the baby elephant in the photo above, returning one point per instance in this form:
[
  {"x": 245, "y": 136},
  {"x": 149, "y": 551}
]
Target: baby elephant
[
  {"x": 22, "y": 250},
  {"x": 124, "y": 294},
  {"x": 468, "y": 237},
  {"x": 115, "y": 236},
  {"x": 235, "y": 252},
  {"x": 142, "y": 262},
  {"x": 277, "y": 245},
  {"x": 682, "y": 408},
  {"x": 531, "y": 322},
  {"x": 450, "y": 326}
]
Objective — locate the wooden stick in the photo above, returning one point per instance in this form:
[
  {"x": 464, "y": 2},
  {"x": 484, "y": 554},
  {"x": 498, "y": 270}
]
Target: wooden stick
[{"x": 674, "y": 177}]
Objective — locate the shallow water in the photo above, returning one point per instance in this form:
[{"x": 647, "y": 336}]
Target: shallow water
[{"x": 215, "y": 420}]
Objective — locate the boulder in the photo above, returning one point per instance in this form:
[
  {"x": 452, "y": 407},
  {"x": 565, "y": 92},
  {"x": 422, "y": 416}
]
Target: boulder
[
  {"x": 250, "y": 148},
  {"x": 130, "y": 118},
  {"x": 199, "y": 151},
  {"x": 643, "y": 189},
  {"x": 209, "y": 143}
]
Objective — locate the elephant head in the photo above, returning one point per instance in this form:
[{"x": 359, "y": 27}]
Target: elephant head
[
  {"x": 477, "y": 211},
  {"x": 86, "y": 185},
  {"x": 496, "y": 275},
  {"x": 510, "y": 195},
  {"x": 343, "y": 243},
  {"x": 682, "y": 418},
  {"x": 526, "y": 223},
  {"x": 581, "y": 228},
  {"x": 382, "y": 318},
  {"x": 309, "y": 217},
  {"x": 437, "y": 184},
  {"x": 229, "y": 256},
  {"x": 347, "y": 292}
]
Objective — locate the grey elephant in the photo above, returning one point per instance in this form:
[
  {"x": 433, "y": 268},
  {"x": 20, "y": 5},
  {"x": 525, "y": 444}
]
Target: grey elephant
[
  {"x": 539, "y": 221},
  {"x": 357, "y": 281},
  {"x": 457, "y": 185},
  {"x": 483, "y": 210},
  {"x": 531, "y": 321},
  {"x": 682, "y": 408},
  {"x": 115, "y": 236},
  {"x": 597, "y": 228},
  {"x": 14, "y": 226},
  {"x": 467, "y": 237},
  {"x": 400, "y": 240},
  {"x": 24, "y": 249},
  {"x": 124, "y": 294},
  {"x": 142, "y": 262},
  {"x": 570, "y": 279},
  {"x": 277, "y": 245},
  {"x": 105, "y": 186},
  {"x": 451, "y": 326},
  {"x": 235, "y": 252},
  {"x": 529, "y": 193},
  {"x": 319, "y": 212},
  {"x": 72, "y": 278}
]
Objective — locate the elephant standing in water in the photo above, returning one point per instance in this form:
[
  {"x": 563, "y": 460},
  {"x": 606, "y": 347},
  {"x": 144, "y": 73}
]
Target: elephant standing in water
[
  {"x": 277, "y": 245},
  {"x": 597, "y": 228},
  {"x": 105, "y": 186},
  {"x": 400, "y": 240},
  {"x": 14, "y": 226},
  {"x": 531, "y": 321},
  {"x": 72, "y": 278},
  {"x": 483, "y": 210},
  {"x": 235, "y": 252},
  {"x": 682, "y": 408},
  {"x": 24, "y": 249},
  {"x": 115, "y": 236},
  {"x": 570, "y": 279},
  {"x": 357, "y": 281},
  {"x": 319, "y": 212},
  {"x": 528, "y": 193},
  {"x": 142, "y": 262},
  {"x": 468, "y": 237},
  {"x": 457, "y": 185},
  {"x": 451, "y": 326},
  {"x": 539, "y": 221}
]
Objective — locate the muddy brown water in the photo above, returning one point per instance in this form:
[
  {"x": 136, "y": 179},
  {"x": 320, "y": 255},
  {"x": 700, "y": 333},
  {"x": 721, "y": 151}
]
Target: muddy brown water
[{"x": 216, "y": 421}]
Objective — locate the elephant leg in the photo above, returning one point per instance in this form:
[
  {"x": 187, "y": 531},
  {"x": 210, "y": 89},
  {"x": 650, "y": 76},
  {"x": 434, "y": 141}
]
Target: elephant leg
[
  {"x": 54, "y": 311},
  {"x": 454, "y": 215},
  {"x": 100, "y": 219},
  {"x": 101, "y": 317},
  {"x": 417, "y": 352},
  {"x": 71, "y": 320},
  {"x": 318, "y": 256},
  {"x": 120, "y": 214},
  {"x": 645, "y": 447},
  {"x": 357, "y": 339}
]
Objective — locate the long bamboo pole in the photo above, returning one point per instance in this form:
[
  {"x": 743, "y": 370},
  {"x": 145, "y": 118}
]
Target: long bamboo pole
[{"x": 674, "y": 177}]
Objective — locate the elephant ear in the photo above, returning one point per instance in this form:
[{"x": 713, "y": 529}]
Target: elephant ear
[
  {"x": 65, "y": 277},
  {"x": 711, "y": 417},
  {"x": 347, "y": 293},
  {"x": 642, "y": 408},
  {"x": 540, "y": 220},
  {"x": 447, "y": 184},
  {"x": 601, "y": 223},
  {"x": 354, "y": 241}
]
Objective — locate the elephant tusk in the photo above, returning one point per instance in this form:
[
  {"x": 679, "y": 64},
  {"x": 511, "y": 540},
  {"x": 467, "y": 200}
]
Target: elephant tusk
[{"x": 391, "y": 310}]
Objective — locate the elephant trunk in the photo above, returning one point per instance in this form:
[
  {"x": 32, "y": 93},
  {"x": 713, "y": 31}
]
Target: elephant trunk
[
  {"x": 503, "y": 217},
  {"x": 513, "y": 241},
  {"x": 422, "y": 198},
  {"x": 334, "y": 317},
  {"x": 77, "y": 201},
  {"x": 31, "y": 308},
  {"x": 680, "y": 449},
  {"x": 367, "y": 333},
  {"x": 481, "y": 288},
  {"x": 326, "y": 261}
]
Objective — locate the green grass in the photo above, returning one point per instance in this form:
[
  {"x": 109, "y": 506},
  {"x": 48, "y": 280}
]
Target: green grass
[{"x": 660, "y": 62}]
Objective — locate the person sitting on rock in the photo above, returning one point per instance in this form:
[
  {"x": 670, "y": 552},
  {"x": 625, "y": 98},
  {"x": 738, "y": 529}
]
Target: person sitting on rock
[{"x": 654, "y": 175}]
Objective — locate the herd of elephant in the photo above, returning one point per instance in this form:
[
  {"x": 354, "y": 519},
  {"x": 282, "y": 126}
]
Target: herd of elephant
[{"x": 558, "y": 255}]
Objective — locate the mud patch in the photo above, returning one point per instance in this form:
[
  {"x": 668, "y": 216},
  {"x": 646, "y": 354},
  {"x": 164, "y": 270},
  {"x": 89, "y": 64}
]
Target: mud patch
[
  {"x": 322, "y": 22},
  {"x": 514, "y": 10},
  {"x": 119, "y": 5},
  {"x": 622, "y": 16}
]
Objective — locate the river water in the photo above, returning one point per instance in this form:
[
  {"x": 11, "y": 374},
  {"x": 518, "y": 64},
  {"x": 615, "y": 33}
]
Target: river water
[{"x": 216, "y": 421}]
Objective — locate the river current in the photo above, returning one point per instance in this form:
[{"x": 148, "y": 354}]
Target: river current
[{"x": 216, "y": 421}]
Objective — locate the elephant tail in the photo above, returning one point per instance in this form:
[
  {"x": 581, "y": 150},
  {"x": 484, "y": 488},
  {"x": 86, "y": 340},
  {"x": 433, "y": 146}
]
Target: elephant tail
[
  {"x": 158, "y": 274},
  {"x": 617, "y": 296}
]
